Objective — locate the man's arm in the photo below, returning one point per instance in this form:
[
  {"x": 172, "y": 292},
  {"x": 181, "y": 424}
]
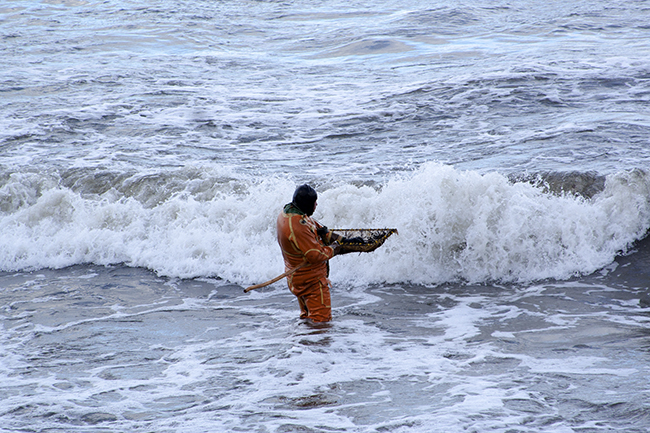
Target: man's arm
[
  {"x": 329, "y": 238},
  {"x": 308, "y": 242}
]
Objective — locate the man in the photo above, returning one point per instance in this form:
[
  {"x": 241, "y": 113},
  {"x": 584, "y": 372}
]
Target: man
[{"x": 303, "y": 239}]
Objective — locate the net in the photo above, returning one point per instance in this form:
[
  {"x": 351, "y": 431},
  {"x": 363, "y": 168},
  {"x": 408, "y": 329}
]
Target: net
[{"x": 363, "y": 240}]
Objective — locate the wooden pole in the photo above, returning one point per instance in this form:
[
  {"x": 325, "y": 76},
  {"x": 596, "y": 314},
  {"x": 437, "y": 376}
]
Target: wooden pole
[{"x": 278, "y": 278}]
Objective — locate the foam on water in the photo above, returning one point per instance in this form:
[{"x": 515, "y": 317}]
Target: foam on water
[
  {"x": 479, "y": 86},
  {"x": 147, "y": 353},
  {"x": 453, "y": 225}
]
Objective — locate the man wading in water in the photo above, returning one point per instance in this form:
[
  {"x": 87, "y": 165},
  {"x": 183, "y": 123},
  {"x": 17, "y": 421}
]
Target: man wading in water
[{"x": 303, "y": 240}]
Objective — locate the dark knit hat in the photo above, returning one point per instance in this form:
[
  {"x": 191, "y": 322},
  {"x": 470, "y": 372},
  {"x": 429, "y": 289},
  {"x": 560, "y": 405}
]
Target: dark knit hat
[{"x": 304, "y": 198}]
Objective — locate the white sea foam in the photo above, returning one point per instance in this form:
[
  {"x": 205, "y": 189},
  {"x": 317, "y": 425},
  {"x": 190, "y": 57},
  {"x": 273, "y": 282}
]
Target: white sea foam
[
  {"x": 481, "y": 227},
  {"x": 453, "y": 225}
]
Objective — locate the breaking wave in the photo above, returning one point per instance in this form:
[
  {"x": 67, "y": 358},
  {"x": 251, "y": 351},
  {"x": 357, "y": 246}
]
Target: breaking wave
[{"x": 211, "y": 222}]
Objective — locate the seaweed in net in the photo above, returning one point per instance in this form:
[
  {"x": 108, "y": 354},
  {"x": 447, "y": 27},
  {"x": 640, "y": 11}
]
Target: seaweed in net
[{"x": 363, "y": 240}]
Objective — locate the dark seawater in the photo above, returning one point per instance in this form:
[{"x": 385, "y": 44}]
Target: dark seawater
[{"x": 146, "y": 149}]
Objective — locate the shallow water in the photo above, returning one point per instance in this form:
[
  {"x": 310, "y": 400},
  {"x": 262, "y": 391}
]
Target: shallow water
[{"x": 119, "y": 349}]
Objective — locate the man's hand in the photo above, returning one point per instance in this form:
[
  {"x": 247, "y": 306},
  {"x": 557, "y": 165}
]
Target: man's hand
[{"x": 322, "y": 232}]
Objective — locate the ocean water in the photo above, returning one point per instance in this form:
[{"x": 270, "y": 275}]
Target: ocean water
[{"x": 146, "y": 149}]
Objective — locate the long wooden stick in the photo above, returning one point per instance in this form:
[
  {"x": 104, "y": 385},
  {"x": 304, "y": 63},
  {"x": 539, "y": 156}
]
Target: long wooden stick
[{"x": 278, "y": 278}]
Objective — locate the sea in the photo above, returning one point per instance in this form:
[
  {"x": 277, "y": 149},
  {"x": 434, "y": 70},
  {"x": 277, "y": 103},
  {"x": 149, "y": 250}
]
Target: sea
[{"x": 147, "y": 147}]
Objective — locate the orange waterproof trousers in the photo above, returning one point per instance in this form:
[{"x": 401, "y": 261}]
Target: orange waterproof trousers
[{"x": 315, "y": 303}]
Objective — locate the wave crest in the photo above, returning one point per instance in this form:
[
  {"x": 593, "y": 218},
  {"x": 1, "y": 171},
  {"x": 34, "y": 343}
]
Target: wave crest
[{"x": 453, "y": 225}]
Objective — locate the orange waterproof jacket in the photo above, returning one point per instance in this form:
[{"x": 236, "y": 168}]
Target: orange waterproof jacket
[{"x": 299, "y": 242}]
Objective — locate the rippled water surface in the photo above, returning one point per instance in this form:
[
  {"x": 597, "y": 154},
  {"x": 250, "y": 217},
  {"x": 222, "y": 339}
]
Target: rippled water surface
[
  {"x": 326, "y": 88},
  {"x": 119, "y": 349}
]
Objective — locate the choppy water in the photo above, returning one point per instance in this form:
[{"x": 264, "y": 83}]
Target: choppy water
[
  {"x": 146, "y": 148},
  {"x": 119, "y": 349}
]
